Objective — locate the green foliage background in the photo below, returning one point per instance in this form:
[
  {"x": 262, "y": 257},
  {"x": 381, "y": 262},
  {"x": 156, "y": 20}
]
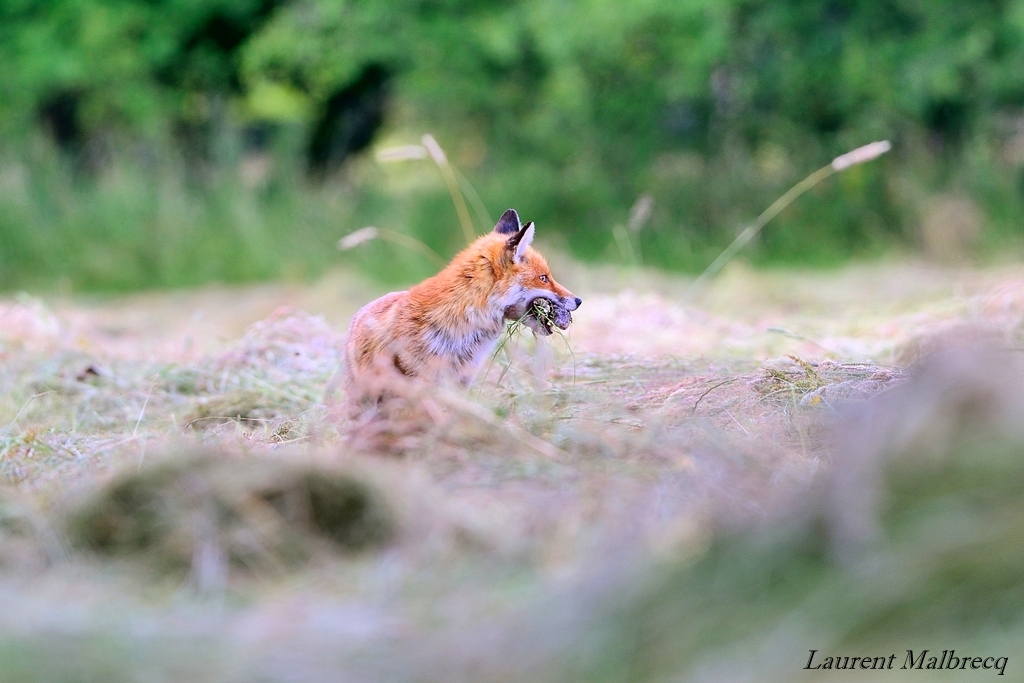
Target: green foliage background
[{"x": 186, "y": 157}]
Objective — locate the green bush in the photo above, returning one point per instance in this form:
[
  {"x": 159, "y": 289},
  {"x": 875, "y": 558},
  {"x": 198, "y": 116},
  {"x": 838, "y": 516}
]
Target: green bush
[{"x": 570, "y": 112}]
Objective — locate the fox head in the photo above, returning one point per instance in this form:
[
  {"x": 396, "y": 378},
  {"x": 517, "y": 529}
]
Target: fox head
[{"x": 522, "y": 275}]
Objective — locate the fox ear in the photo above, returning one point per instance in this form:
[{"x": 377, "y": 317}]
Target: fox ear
[
  {"x": 520, "y": 242},
  {"x": 508, "y": 223}
]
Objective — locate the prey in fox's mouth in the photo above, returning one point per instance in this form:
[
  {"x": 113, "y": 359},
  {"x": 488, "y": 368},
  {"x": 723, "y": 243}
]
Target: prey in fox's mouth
[{"x": 543, "y": 315}]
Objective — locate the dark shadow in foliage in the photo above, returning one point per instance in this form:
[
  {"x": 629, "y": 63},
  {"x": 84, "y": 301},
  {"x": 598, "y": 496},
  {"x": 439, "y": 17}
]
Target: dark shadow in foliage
[
  {"x": 204, "y": 61},
  {"x": 207, "y": 62},
  {"x": 248, "y": 516},
  {"x": 207, "y": 57},
  {"x": 59, "y": 116},
  {"x": 351, "y": 117},
  {"x": 258, "y": 137},
  {"x": 949, "y": 121}
]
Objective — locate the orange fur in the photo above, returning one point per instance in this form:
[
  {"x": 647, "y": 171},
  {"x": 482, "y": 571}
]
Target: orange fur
[{"x": 444, "y": 327}]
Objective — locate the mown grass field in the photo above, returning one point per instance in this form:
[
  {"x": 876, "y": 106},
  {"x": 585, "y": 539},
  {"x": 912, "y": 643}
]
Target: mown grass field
[{"x": 699, "y": 490}]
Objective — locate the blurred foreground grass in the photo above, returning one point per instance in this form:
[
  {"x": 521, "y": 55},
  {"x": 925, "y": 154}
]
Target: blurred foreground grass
[{"x": 699, "y": 492}]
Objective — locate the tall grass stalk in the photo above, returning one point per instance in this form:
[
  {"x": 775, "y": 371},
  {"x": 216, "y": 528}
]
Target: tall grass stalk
[
  {"x": 841, "y": 163},
  {"x": 458, "y": 186},
  {"x": 441, "y": 159},
  {"x": 482, "y": 214},
  {"x": 624, "y": 243},
  {"x": 354, "y": 239}
]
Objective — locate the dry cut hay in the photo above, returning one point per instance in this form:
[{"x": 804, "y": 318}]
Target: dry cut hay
[
  {"x": 212, "y": 514},
  {"x": 824, "y": 383},
  {"x": 275, "y": 372},
  {"x": 786, "y": 403},
  {"x": 910, "y": 540}
]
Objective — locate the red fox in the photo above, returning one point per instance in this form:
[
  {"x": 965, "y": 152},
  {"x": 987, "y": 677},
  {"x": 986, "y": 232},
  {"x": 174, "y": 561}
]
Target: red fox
[{"x": 444, "y": 327}]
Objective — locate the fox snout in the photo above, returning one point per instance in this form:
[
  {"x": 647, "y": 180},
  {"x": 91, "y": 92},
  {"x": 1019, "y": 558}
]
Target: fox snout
[
  {"x": 563, "y": 297},
  {"x": 570, "y": 302}
]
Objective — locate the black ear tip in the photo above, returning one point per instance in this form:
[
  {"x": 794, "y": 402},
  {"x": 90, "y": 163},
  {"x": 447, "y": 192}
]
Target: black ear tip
[{"x": 508, "y": 223}]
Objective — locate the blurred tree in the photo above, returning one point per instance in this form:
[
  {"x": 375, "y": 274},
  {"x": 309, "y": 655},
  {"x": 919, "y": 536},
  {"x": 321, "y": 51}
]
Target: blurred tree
[{"x": 568, "y": 110}]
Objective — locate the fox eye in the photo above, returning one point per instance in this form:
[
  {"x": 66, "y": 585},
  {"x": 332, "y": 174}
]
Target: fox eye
[{"x": 544, "y": 279}]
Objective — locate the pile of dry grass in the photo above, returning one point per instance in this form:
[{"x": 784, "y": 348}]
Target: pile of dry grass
[
  {"x": 62, "y": 407},
  {"x": 824, "y": 383},
  {"x": 273, "y": 375},
  {"x": 211, "y": 514},
  {"x": 910, "y": 541}
]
